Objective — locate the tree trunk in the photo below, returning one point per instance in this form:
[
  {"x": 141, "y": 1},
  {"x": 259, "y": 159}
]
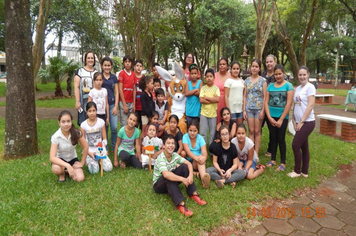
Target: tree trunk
[
  {"x": 20, "y": 127},
  {"x": 60, "y": 39}
]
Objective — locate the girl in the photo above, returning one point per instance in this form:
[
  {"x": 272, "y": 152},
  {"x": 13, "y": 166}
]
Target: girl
[
  {"x": 225, "y": 161},
  {"x": 99, "y": 95},
  {"x": 173, "y": 129},
  {"x": 128, "y": 140},
  {"x": 192, "y": 91},
  {"x": 253, "y": 110},
  {"x": 304, "y": 122},
  {"x": 153, "y": 119},
  {"x": 63, "y": 155},
  {"x": 83, "y": 82},
  {"x": 148, "y": 105},
  {"x": 188, "y": 60},
  {"x": 151, "y": 140},
  {"x": 221, "y": 76},
  {"x": 126, "y": 90},
  {"x": 111, "y": 84},
  {"x": 247, "y": 154},
  {"x": 277, "y": 104},
  {"x": 94, "y": 132},
  {"x": 234, "y": 92},
  {"x": 209, "y": 97},
  {"x": 138, "y": 107},
  {"x": 227, "y": 121},
  {"x": 195, "y": 148}
]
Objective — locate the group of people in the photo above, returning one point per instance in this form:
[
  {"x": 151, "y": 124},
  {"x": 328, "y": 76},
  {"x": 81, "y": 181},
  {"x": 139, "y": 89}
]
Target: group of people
[{"x": 217, "y": 103}]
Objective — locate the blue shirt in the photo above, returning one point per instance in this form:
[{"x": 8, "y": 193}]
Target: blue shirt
[
  {"x": 278, "y": 99},
  {"x": 199, "y": 143},
  {"x": 109, "y": 84},
  {"x": 193, "y": 105}
]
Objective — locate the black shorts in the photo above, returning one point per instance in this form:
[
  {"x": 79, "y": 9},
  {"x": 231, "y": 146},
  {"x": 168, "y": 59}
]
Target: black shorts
[
  {"x": 71, "y": 162},
  {"x": 102, "y": 116}
]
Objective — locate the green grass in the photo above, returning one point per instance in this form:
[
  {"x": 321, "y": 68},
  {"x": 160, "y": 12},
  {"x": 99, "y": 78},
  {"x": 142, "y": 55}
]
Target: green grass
[
  {"x": 336, "y": 92},
  {"x": 53, "y": 103},
  {"x": 2, "y": 89},
  {"x": 51, "y": 87},
  {"x": 350, "y": 107},
  {"x": 122, "y": 202}
]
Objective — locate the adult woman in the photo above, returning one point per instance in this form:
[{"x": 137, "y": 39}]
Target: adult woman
[
  {"x": 220, "y": 77},
  {"x": 188, "y": 60},
  {"x": 278, "y": 102},
  {"x": 111, "y": 83},
  {"x": 83, "y": 82},
  {"x": 303, "y": 121}
]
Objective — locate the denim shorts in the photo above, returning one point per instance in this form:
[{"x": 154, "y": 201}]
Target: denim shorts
[
  {"x": 253, "y": 113},
  {"x": 253, "y": 164},
  {"x": 236, "y": 115}
]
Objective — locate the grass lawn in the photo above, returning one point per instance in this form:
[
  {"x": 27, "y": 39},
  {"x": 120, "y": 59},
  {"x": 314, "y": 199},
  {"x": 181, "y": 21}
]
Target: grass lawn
[
  {"x": 2, "y": 90},
  {"x": 123, "y": 202},
  {"x": 336, "y": 92}
]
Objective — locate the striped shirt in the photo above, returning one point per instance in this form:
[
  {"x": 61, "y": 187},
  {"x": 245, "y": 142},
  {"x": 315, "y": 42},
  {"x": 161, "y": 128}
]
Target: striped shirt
[{"x": 162, "y": 164}]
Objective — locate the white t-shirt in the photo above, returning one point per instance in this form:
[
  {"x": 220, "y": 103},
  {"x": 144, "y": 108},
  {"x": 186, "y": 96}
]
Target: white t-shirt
[
  {"x": 301, "y": 101},
  {"x": 93, "y": 133},
  {"x": 235, "y": 94},
  {"x": 99, "y": 97},
  {"x": 65, "y": 149},
  {"x": 243, "y": 154}
]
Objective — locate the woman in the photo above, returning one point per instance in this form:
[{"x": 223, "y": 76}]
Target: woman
[
  {"x": 303, "y": 121},
  {"x": 83, "y": 82},
  {"x": 220, "y": 77},
  {"x": 188, "y": 60}
]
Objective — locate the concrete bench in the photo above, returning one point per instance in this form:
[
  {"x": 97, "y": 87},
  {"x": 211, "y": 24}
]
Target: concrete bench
[
  {"x": 324, "y": 98},
  {"x": 328, "y": 126}
]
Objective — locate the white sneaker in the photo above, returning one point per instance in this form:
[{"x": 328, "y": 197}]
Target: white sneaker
[
  {"x": 304, "y": 175},
  {"x": 293, "y": 174}
]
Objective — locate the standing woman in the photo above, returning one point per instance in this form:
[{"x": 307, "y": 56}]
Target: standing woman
[
  {"x": 220, "y": 78},
  {"x": 188, "y": 60},
  {"x": 254, "y": 94},
  {"x": 304, "y": 122},
  {"x": 83, "y": 83},
  {"x": 111, "y": 84},
  {"x": 278, "y": 103}
]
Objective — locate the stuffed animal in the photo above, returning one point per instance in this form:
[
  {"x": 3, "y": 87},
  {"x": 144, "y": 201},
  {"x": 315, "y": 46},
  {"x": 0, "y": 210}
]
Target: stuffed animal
[
  {"x": 100, "y": 154},
  {"x": 176, "y": 90}
]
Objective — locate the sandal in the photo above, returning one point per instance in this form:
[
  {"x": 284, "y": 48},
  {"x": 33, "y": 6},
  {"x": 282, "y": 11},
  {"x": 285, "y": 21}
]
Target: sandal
[
  {"x": 270, "y": 164},
  {"x": 205, "y": 180},
  {"x": 219, "y": 184},
  {"x": 281, "y": 168},
  {"x": 293, "y": 174},
  {"x": 260, "y": 166}
]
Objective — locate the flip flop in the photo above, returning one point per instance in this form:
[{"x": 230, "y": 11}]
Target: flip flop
[
  {"x": 270, "y": 164},
  {"x": 281, "y": 168},
  {"x": 219, "y": 184}
]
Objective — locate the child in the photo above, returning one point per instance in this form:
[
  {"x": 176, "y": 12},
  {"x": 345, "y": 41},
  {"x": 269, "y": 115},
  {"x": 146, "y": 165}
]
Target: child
[
  {"x": 94, "y": 132},
  {"x": 225, "y": 161},
  {"x": 126, "y": 90},
  {"x": 171, "y": 170},
  {"x": 99, "y": 95},
  {"x": 225, "y": 115},
  {"x": 138, "y": 75},
  {"x": 146, "y": 85},
  {"x": 63, "y": 155},
  {"x": 151, "y": 140},
  {"x": 234, "y": 92},
  {"x": 153, "y": 119},
  {"x": 157, "y": 76},
  {"x": 209, "y": 98},
  {"x": 161, "y": 107},
  {"x": 128, "y": 139},
  {"x": 247, "y": 154},
  {"x": 193, "y": 105},
  {"x": 195, "y": 148},
  {"x": 156, "y": 85},
  {"x": 173, "y": 129}
]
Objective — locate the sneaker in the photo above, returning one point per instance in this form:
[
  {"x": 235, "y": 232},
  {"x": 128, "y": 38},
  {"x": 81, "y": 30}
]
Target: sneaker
[
  {"x": 198, "y": 200},
  {"x": 268, "y": 154},
  {"x": 184, "y": 210},
  {"x": 304, "y": 175},
  {"x": 293, "y": 174},
  {"x": 205, "y": 180}
]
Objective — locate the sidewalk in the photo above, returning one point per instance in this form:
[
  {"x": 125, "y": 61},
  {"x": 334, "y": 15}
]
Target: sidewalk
[{"x": 328, "y": 210}]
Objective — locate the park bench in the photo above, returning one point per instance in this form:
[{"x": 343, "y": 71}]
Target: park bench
[
  {"x": 324, "y": 98},
  {"x": 328, "y": 126}
]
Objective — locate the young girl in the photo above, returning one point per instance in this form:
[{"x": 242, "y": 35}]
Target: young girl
[
  {"x": 63, "y": 155},
  {"x": 193, "y": 105},
  {"x": 153, "y": 119},
  {"x": 151, "y": 140},
  {"x": 126, "y": 90},
  {"x": 148, "y": 105},
  {"x": 253, "y": 107},
  {"x": 247, "y": 154},
  {"x": 128, "y": 140},
  {"x": 138, "y": 107},
  {"x": 278, "y": 103},
  {"x": 234, "y": 92},
  {"x": 225, "y": 161},
  {"x": 209, "y": 97},
  {"x": 221, "y": 76},
  {"x": 99, "y": 95},
  {"x": 173, "y": 129},
  {"x": 195, "y": 148},
  {"x": 94, "y": 132},
  {"x": 226, "y": 120}
]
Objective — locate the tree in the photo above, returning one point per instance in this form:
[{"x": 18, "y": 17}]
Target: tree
[
  {"x": 350, "y": 6},
  {"x": 2, "y": 25},
  {"x": 20, "y": 127}
]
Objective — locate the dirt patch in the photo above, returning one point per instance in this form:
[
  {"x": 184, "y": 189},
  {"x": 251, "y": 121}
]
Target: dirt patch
[
  {"x": 345, "y": 171},
  {"x": 325, "y": 192}
]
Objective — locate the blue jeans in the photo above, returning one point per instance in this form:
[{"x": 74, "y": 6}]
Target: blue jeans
[{"x": 113, "y": 127}]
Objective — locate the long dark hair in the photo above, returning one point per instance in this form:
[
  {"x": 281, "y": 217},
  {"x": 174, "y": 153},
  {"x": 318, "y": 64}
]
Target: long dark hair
[
  {"x": 86, "y": 55},
  {"x": 185, "y": 58},
  {"x": 74, "y": 132},
  {"x": 258, "y": 61},
  {"x": 143, "y": 81}
]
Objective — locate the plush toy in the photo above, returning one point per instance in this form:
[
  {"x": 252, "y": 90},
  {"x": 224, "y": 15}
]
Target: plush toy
[
  {"x": 100, "y": 154},
  {"x": 176, "y": 90}
]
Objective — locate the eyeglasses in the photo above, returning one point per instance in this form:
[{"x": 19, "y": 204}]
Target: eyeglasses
[
  {"x": 189, "y": 57},
  {"x": 224, "y": 134}
]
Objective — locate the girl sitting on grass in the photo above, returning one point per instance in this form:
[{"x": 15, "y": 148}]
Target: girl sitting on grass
[
  {"x": 247, "y": 154},
  {"x": 225, "y": 161},
  {"x": 94, "y": 132},
  {"x": 174, "y": 130},
  {"x": 63, "y": 155},
  {"x": 151, "y": 140}
]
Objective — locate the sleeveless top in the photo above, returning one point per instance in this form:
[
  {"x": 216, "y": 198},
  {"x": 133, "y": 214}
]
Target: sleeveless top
[{"x": 193, "y": 104}]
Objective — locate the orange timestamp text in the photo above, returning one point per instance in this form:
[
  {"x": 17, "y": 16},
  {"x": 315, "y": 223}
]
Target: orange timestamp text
[{"x": 285, "y": 212}]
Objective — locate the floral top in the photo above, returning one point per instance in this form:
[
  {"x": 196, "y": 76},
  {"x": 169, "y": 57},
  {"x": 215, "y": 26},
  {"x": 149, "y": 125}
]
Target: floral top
[{"x": 254, "y": 92}]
